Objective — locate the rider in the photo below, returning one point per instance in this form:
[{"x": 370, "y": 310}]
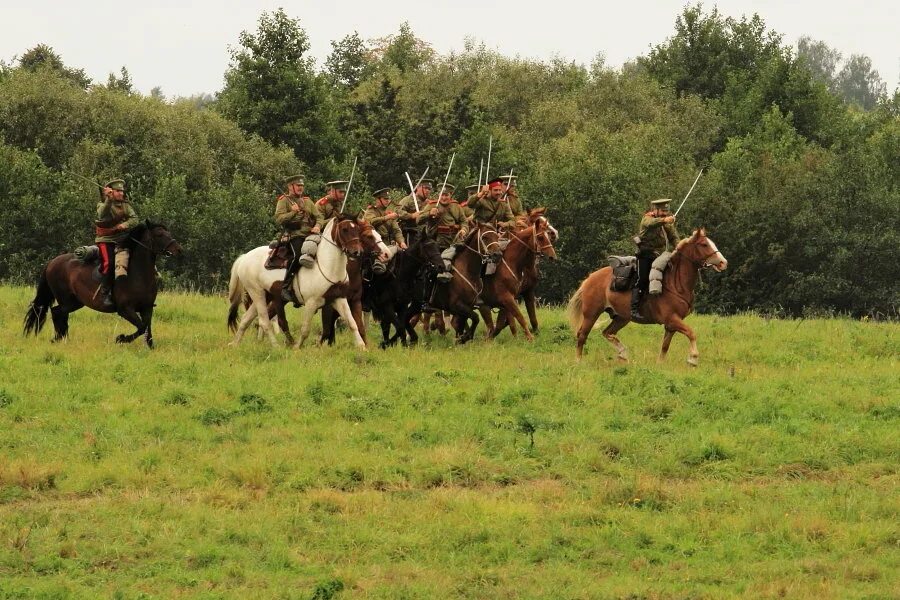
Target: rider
[
  {"x": 298, "y": 217},
  {"x": 445, "y": 222},
  {"x": 330, "y": 204},
  {"x": 115, "y": 219},
  {"x": 471, "y": 192},
  {"x": 406, "y": 210},
  {"x": 657, "y": 234},
  {"x": 490, "y": 206},
  {"x": 515, "y": 204},
  {"x": 383, "y": 219}
]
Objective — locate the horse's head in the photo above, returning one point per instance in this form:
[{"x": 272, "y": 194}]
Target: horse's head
[
  {"x": 485, "y": 240},
  {"x": 425, "y": 250},
  {"x": 156, "y": 238},
  {"x": 346, "y": 235},
  {"x": 540, "y": 213},
  {"x": 372, "y": 242},
  {"x": 702, "y": 251},
  {"x": 543, "y": 238}
]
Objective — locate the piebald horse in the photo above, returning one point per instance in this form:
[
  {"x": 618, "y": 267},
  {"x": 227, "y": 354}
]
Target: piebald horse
[
  {"x": 667, "y": 309},
  {"x": 340, "y": 239}
]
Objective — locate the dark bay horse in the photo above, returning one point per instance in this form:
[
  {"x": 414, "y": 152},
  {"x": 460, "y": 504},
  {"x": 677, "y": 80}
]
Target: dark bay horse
[
  {"x": 501, "y": 290},
  {"x": 71, "y": 284},
  {"x": 397, "y": 293},
  {"x": 668, "y": 309},
  {"x": 458, "y": 295}
]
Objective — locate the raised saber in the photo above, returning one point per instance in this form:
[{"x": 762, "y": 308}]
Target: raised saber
[
  {"x": 488, "y": 170},
  {"x": 349, "y": 183},
  {"x": 443, "y": 185},
  {"x": 480, "y": 173},
  {"x": 508, "y": 184},
  {"x": 412, "y": 188},
  {"x": 689, "y": 193}
]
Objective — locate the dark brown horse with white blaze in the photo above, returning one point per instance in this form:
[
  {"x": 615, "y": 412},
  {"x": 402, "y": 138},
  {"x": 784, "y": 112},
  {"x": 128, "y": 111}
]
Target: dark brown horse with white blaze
[
  {"x": 668, "y": 309},
  {"x": 501, "y": 290},
  {"x": 71, "y": 284}
]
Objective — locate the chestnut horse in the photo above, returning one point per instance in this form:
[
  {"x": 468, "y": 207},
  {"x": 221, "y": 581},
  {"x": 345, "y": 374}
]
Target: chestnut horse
[
  {"x": 71, "y": 284},
  {"x": 457, "y": 296},
  {"x": 668, "y": 309},
  {"x": 501, "y": 290}
]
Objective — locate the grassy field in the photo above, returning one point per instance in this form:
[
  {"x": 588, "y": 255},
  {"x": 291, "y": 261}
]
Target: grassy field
[{"x": 496, "y": 470}]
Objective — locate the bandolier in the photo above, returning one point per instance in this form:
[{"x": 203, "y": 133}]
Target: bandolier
[
  {"x": 490, "y": 207},
  {"x": 115, "y": 219},
  {"x": 656, "y": 235},
  {"x": 298, "y": 217}
]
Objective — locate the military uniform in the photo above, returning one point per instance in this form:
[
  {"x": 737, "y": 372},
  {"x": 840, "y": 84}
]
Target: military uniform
[
  {"x": 406, "y": 208},
  {"x": 471, "y": 192},
  {"x": 494, "y": 212},
  {"x": 512, "y": 195},
  {"x": 445, "y": 228},
  {"x": 111, "y": 214},
  {"x": 387, "y": 228},
  {"x": 330, "y": 205},
  {"x": 655, "y": 236},
  {"x": 296, "y": 226}
]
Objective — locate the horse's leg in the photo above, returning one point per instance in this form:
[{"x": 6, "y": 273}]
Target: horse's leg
[
  {"x": 246, "y": 320},
  {"x": 589, "y": 316},
  {"x": 147, "y": 318},
  {"x": 488, "y": 319},
  {"x": 282, "y": 320},
  {"x": 262, "y": 312},
  {"x": 610, "y": 334},
  {"x": 306, "y": 315},
  {"x": 343, "y": 307},
  {"x": 468, "y": 315},
  {"x": 409, "y": 325},
  {"x": 329, "y": 321},
  {"x": 356, "y": 312},
  {"x": 511, "y": 307},
  {"x": 667, "y": 339},
  {"x": 531, "y": 307},
  {"x": 680, "y": 326},
  {"x": 129, "y": 314},
  {"x": 60, "y": 315}
]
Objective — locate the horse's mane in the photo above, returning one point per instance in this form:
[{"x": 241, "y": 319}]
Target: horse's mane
[{"x": 138, "y": 231}]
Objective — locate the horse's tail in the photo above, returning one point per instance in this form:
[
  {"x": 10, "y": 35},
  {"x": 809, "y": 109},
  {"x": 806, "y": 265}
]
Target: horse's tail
[
  {"x": 573, "y": 310},
  {"x": 37, "y": 310},
  {"x": 235, "y": 296}
]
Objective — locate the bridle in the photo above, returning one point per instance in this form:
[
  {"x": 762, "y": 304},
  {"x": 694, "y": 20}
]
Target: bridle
[
  {"x": 151, "y": 248},
  {"x": 485, "y": 255},
  {"x": 335, "y": 232},
  {"x": 534, "y": 248}
]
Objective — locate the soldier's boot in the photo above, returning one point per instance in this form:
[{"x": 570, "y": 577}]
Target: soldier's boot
[
  {"x": 428, "y": 295},
  {"x": 287, "y": 287},
  {"x": 636, "y": 305},
  {"x": 105, "y": 292},
  {"x": 306, "y": 260},
  {"x": 122, "y": 256},
  {"x": 444, "y": 277}
]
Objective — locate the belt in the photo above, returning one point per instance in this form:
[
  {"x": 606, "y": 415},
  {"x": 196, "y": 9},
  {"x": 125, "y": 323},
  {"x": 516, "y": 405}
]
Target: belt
[
  {"x": 447, "y": 228},
  {"x": 104, "y": 231}
]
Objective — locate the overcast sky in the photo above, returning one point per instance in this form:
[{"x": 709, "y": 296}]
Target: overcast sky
[{"x": 182, "y": 45}]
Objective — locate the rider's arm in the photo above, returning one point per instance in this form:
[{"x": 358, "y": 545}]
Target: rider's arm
[
  {"x": 131, "y": 218},
  {"x": 315, "y": 213}
]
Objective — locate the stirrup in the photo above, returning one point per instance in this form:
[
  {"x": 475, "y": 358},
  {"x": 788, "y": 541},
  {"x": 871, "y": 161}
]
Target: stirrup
[{"x": 444, "y": 277}]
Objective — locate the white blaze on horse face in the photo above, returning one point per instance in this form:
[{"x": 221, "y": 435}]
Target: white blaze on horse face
[{"x": 716, "y": 260}]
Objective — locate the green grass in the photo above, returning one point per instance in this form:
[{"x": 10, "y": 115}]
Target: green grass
[{"x": 201, "y": 471}]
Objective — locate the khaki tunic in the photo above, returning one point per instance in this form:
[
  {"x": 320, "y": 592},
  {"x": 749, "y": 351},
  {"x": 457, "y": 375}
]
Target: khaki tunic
[
  {"x": 111, "y": 213},
  {"x": 515, "y": 206},
  {"x": 405, "y": 210},
  {"x": 494, "y": 212},
  {"x": 300, "y": 223},
  {"x": 387, "y": 228},
  {"x": 449, "y": 223},
  {"x": 328, "y": 209},
  {"x": 656, "y": 236}
]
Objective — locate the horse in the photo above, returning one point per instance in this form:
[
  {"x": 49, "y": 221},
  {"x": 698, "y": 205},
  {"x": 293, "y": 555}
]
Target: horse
[
  {"x": 458, "y": 295},
  {"x": 393, "y": 293},
  {"x": 340, "y": 239},
  {"x": 668, "y": 309},
  {"x": 501, "y": 290},
  {"x": 72, "y": 284},
  {"x": 372, "y": 244},
  {"x": 530, "y": 278}
]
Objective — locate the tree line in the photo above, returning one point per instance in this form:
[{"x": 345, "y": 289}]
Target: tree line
[{"x": 800, "y": 151}]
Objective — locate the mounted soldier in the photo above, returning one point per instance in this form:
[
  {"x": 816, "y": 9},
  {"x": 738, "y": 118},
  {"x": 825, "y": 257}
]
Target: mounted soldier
[
  {"x": 445, "y": 222},
  {"x": 115, "y": 219},
  {"x": 657, "y": 234},
  {"x": 490, "y": 207},
  {"x": 330, "y": 205},
  {"x": 382, "y": 217},
  {"x": 406, "y": 210},
  {"x": 515, "y": 204},
  {"x": 298, "y": 218}
]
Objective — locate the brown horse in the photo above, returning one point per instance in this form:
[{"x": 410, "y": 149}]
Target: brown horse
[
  {"x": 457, "y": 296},
  {"x": 73, "y": 284},
  {"x": 530, "y": 278},
  {"x": 668, "y": 309},
  {"x": 501, "y": 290}
]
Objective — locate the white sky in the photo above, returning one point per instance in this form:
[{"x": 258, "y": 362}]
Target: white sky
[{"x": 182, "y": 45}]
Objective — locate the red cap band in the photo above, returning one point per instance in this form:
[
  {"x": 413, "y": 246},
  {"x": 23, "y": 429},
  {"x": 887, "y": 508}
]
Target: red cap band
[{"x": 495, "y": 184}]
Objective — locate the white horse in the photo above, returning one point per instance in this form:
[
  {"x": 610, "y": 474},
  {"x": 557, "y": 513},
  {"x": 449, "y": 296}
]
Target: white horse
[{"x": 249, "y": 276}]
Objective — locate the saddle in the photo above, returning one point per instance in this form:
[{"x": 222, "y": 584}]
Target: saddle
[
  {"x": 624, "y": 272},
  {"x": 280, "y": 256}
]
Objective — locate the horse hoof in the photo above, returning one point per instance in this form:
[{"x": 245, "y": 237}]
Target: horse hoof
[
  {"x": 622, "y": 358},
  {"x": 121, "y": 339},
  {"x": 693, "y": 361}
]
